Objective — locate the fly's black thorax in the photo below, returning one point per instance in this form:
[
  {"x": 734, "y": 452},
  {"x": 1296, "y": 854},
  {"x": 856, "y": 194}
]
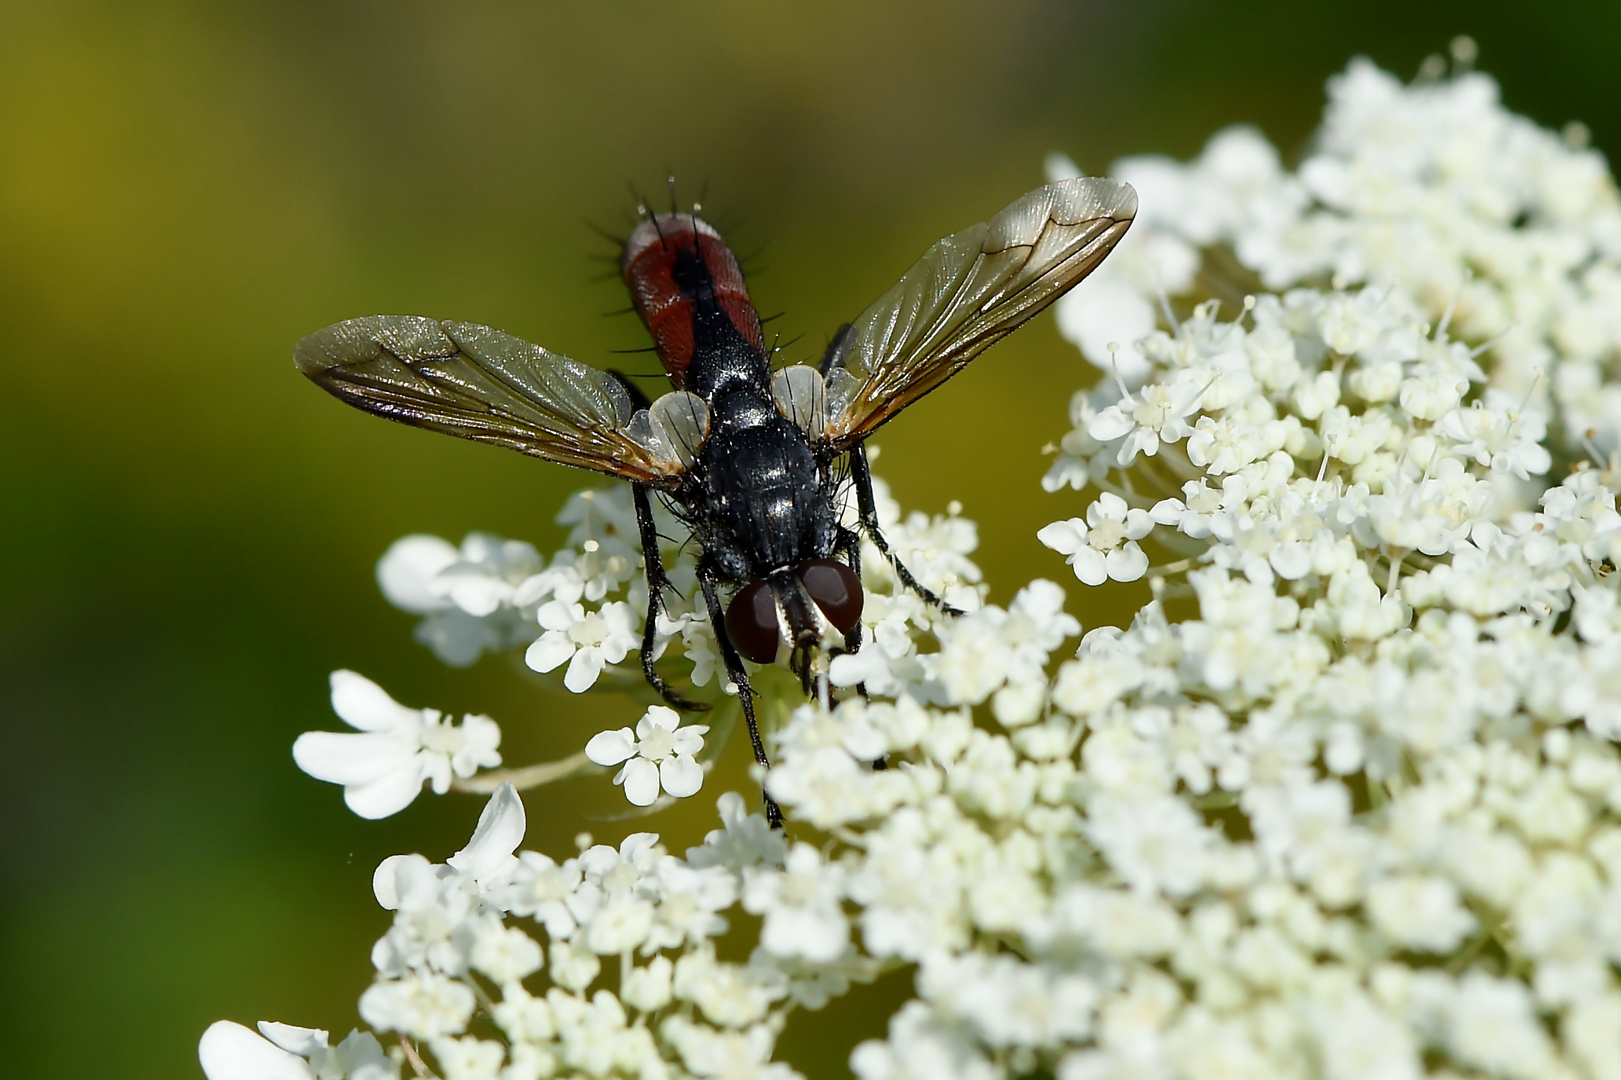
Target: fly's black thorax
[
  {"x": 758, "y": 499},
  {"x": 764, "y": 506}
]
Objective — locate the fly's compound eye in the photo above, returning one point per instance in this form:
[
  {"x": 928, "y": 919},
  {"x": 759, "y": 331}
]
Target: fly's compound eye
[
  {"x": 835, "y": 589},
  {"x": 751, "y": 623}
]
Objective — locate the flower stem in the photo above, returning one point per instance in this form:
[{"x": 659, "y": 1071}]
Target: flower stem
[{"x": 528, "y": 776}]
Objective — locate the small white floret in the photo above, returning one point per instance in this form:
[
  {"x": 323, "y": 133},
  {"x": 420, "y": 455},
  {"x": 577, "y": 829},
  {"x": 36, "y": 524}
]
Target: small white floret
[
  {"x": 660, "y": 754},
  {"x": 398, "y": 749}
]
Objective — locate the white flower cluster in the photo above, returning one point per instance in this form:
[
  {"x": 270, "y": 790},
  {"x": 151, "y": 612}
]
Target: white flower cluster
[
  {"x": 1357, "y": 813},
  {"x": 1344, "y": 800},
  {"x": 1511, "y": 230},
  {"x": 467, "y": 933},
  {"x": 468, "y": 596}
]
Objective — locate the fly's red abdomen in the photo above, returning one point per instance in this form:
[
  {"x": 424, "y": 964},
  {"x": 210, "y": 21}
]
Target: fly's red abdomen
[{"x": 675, "y": 265}]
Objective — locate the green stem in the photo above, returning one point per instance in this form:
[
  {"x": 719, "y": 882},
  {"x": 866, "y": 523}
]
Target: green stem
[
  {"x": 418, "y": 1066},
  {"x": 528, "y": 776}
]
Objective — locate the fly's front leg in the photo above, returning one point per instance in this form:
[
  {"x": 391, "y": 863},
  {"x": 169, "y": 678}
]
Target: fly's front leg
[
  {"x": 868, "y": 508},
  {"x": 740, "y": 677},
  {"x": 656, "y": 584}
]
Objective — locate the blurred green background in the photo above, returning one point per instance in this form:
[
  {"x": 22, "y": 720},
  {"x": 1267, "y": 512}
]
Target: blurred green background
[{"x": 190, "y": 528}]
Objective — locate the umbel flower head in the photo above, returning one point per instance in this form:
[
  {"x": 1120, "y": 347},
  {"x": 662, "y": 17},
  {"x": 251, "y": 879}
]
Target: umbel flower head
[{"x": 1343, "y": 800}]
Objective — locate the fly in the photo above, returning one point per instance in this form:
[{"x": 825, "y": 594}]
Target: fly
[{"x": 751, "y": 459}]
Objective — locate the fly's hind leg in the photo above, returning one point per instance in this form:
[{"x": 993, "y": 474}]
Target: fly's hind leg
[
  {"x": 656, "y": 584},
  {"x": 850, "y": 548},
  {"x": 740, "y": 677},
  {"x": 868, "y": 508}
]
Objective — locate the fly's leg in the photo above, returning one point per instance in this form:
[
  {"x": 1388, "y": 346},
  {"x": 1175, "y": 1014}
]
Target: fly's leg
[
  {"x": 868, "y": 507},
  {"x": 833, "y": 356},
  {"x": 656, "y": 584},
  {"x": 740, "y": 677},
  {"x": 850, "y": 548}
]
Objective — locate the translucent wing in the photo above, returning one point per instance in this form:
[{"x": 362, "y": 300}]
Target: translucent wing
[
  {"x": 967, "y": 292},
  {"x": 478, "y": 383}
]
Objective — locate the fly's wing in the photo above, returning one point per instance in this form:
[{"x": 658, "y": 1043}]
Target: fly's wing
[
  {"x": 478, "y": 383},
  {"x": 966, "y": 293}
]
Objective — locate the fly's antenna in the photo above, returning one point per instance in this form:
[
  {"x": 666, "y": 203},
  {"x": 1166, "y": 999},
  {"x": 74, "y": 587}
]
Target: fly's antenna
[{"x": 669, "y": 182}]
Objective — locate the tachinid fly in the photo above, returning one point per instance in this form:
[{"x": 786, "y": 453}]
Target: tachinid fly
[{"x": 751, "y": 459}]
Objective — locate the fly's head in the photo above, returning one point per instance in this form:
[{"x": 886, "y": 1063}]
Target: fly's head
[{"x": 792, "y": 612}]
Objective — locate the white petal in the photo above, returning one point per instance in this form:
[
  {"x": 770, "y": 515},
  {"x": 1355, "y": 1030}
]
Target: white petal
[
  {"x": 611, "y": 747},
  {"x": 619, "y": 616},
  {"x": 583, "y": 670},
  {"x": 549, "y": 651},
  {"x": 476, "y": 592},
  {"x": 385, "y": 881},
  {"x": 1127, "y": 563},
  {"x": 230, "y": 1051},
  {"x": 1108, "y": 311},
  {"x": 500, "y": 830},
  {"x": 435, "y": 769},
  {"x": 1110, "y": 424},
  {"x": 556, "y": 615},
  {"x": 302, "y": 1041},
  {"x": 351, "y": 758},
  {"x": 532, "y": 588},
  {"x": 364, "y": 705},
  {"x": 641, "y": 780},
  {"x": 1108, "y": 507},
  {"x": 1064, "y": 537},
  {"x": 406, "y": 571},
  {"x": 689, "y": 740},
  {"x": 1059, "y": 167},
  {"x": 1292, "y": 559},
  {"x": 1167, "y": 511},
  {"x": 480, "y": 737},
  {"x": 681, "y": 776},
  {"x": 1134, "y": 444},
  {"x": 848, "y": 669},
  {"x": 456, "y": 637},
  {"x": 615, "y": 647},
  {"x": 406, "y": 883},
  {"x": 658, "y": 716},
  {"x": 388, "y": 794},
  {"x": 1089, "y": 567}
]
